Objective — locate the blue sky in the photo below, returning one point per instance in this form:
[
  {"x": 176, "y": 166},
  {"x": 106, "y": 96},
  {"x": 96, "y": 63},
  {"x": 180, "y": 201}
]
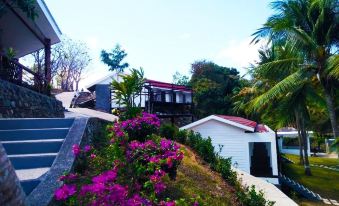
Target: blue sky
[{"x": 163, "y": 36}]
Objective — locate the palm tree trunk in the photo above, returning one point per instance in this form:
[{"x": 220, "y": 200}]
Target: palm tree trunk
[
  {"x": 301, "y": 156},
  {"x": 331, "y": 112},
  {"x": 305, "y": 143},
  {"x": 11, "y": 192},
  {"x": 301, "y": 146}
]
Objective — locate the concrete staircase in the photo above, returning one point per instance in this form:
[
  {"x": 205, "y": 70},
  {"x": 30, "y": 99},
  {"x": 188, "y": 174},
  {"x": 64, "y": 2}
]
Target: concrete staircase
[
  {"x": 307, "y": 193},
  {"x": 32, "y": 146}
]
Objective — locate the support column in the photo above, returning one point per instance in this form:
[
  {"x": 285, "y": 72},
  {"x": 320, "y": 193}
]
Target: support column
[{"x": 47, "y": 61}]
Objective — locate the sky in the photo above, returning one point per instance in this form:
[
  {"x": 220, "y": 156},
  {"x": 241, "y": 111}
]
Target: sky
[{"x": 163, "y": 36}]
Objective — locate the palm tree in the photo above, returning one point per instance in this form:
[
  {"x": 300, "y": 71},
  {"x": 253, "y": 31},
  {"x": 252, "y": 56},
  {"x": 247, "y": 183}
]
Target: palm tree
[
  {"x": 288, "y": 91},
  {"x": 11, "y": 192},
  {"x": 312, "y": 26}
]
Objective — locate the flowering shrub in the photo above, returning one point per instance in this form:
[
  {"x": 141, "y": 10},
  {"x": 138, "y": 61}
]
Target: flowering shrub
[
  {"x": 137, "y": 128},
  {"x": 130, "y": 171}
]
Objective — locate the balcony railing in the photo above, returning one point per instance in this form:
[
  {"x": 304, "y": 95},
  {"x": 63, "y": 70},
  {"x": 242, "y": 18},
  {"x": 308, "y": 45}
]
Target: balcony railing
[{"x": 11, "y": 70}]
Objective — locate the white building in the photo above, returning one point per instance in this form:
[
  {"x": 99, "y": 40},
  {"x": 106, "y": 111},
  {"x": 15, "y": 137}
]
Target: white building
[
  {"x": 251, "y": 146},
  {"x": 288, "y": 141}
]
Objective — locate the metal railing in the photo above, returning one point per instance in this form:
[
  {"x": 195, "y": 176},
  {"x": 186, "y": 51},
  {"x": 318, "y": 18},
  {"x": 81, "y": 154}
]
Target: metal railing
[{"x": 11, "y": 70}]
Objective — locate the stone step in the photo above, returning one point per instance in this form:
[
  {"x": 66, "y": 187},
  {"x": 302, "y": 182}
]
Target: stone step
[
  {"x": 30, "y": 161},
  {"x": 33, "y": 134},
  {"x": 29, "y": 185},
  {"x": 35, "y": 123},
  {"x": 32, "y": 146},
  {"x": 29, "y": 174}
]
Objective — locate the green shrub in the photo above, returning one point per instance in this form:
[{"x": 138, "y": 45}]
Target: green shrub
[
  {"x": 250, "y": 197},
  {"x": 202, "y": 146},
  {"x": 223, "y": 166},
  {"x": 169, "y": 131},
  {"x": 181, "y": 136},
  {"x": 130, "y": 113}
]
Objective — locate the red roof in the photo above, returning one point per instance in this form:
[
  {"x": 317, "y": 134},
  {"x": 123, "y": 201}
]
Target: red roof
[
  {"x": 168, "y": 85},
  {"x": 246, "y": 122}
]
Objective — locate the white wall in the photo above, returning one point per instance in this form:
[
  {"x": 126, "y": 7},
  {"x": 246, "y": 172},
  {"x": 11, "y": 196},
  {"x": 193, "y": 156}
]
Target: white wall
[{"x": 236, "y": 142}]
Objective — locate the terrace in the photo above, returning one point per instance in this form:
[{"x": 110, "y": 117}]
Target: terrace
[{"x": 23, "y": 35}]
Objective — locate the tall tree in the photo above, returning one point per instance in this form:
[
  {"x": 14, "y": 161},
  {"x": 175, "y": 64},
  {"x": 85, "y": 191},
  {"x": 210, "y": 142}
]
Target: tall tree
[
  {"x": 213, "y": 87},
  {"x": 313, "y": 26},
  {"x": 180, "y": 79},
  {"x": 69, "y": 59},
  {"x": 289, "y": 89},
  {"x": 115, "y": 59}
]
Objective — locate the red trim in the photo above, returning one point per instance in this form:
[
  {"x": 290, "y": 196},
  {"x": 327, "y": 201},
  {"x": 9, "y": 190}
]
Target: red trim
[
  {"x": 245, "y": 122},
  {"x": 167, "y": 85}
]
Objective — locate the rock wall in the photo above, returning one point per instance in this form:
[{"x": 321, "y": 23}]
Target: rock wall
[{"x": 20, "y": 102}]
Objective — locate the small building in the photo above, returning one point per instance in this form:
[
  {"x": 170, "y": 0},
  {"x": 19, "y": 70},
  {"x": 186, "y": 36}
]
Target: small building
[
  {"x": 288, "y": 141},
  {"x": 172, "y": 103},
  {"x": 251, "y": 146}
]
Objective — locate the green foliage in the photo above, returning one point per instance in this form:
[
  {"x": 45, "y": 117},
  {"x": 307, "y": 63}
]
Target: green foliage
[
  {"x": 180, "y": 79},
  {"x": 181, "y": 136},
  {"x": 27, "y": 6},
  {"x": 130, "y": 113},
  {"x": 114, "y": 59},
  {"x": 307, "y": 30},
  {"x": 213, "y": 87},
  {"x": 169, "y": 131},
  {"x": 129, "y": 88},
  {"x": 252, "y": 198}
]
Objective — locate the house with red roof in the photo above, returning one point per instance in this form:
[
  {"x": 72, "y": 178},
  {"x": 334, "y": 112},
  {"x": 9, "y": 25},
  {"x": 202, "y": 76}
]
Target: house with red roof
[
  {"x": 252, "y": 146},
  {"x": 170, "y": 102}
]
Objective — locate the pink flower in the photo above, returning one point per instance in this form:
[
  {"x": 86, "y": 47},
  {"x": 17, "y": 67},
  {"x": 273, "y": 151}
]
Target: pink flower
[
  {"x": 76, "y": 149},
  {"x": 70, "y": 176},
  {"x": 64, "y": 192},
  {"x": 170, "y": 203},
  {"x": 93, "y": 156}
]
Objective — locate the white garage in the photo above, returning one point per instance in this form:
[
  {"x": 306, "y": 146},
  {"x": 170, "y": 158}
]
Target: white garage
[{"x": 252, "y": 146}]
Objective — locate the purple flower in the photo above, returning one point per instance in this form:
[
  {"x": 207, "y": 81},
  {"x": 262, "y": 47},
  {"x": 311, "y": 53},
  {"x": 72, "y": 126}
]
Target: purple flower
[
  {"x": 76, "y": 149},
  {"x": 159, "y": 187},
  {"x": 87, "y": 148},
  {"x": 64, "y": 192}
]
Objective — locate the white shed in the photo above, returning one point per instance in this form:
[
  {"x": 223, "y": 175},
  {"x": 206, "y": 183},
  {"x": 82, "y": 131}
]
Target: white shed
[{"x": 252, "y": 146}]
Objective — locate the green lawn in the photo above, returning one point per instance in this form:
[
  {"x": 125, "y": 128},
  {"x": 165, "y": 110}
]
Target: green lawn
[
  {"x": 323, "y": 181},
  {"x": 316, "y": 160}
]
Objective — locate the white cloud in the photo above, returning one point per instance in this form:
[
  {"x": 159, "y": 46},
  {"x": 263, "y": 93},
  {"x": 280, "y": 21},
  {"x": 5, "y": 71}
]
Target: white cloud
[{"x": 239, "y": 54}]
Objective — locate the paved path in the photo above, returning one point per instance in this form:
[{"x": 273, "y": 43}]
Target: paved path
[
  {"x": 76, "y": 112},
  {"x": 271, "y": 192},
  {"x": 65, "y": 98}
]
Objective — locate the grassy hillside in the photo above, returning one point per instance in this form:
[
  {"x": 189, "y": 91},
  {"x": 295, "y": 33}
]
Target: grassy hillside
[{"x": 194, "y": 178}]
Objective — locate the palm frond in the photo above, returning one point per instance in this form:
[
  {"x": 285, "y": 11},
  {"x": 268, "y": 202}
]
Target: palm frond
[
  {"x": 290, "y": 84},
  {"x": 332, "y": 66}
]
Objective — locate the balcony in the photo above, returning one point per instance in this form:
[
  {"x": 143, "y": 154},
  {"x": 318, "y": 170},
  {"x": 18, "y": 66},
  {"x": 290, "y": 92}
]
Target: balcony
[{"x": 12, "y": 71}]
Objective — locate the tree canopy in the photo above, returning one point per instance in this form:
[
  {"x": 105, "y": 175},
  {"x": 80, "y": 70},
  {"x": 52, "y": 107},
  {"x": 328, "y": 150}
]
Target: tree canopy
[
  {"x": 213, "y": 87},
  {"x": 115, "y": 59}
]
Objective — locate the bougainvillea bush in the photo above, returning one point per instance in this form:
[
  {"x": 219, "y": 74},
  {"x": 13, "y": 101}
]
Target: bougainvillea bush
[{"x": 129, "y": 171}]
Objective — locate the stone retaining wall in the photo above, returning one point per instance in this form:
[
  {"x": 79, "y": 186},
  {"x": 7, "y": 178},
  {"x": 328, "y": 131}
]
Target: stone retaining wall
[{"x": 20, "y": 102}]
